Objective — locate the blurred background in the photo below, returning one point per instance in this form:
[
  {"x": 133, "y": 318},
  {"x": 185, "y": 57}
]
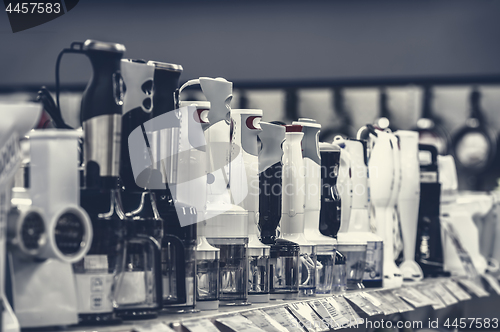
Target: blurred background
[{"x": 343, "y": 63}]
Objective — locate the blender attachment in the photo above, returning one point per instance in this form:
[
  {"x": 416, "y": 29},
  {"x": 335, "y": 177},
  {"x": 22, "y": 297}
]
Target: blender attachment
[
  {"x": 226, "y": 224},
  {"x": 354, "y": 253},
  {"x": 329, "y": 224},
  {"x": 359, "y": 224},
  {"x": 429, "y": 248},
  {"x": 384, "y": 188},
  {"x": 352, "y": 246},
  {"x": 48, "y": 232},
  {"x": 284, "y": 262},
  {"x": 339, "y": 274},
  {"x": 284, "y": 270},
  {"x": 179, "y": 215},
  {"x": 325, "y": 246},
  {"x": 207, "y": 275},
  {"x": 101, "y": 113},
  {"x": 408, "y": 202},
  {"x": 245, "y": 173},
  {"x": 292, "y": 217},
  {"x": 139, "y": 291}
]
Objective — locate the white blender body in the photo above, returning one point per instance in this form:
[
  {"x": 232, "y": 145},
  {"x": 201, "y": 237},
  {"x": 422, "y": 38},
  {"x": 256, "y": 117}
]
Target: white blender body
[
  {"x": 64, "y": 238},
  {"x": 292, "y": 219},
  {"x": 359, "y": 224},
  {"x": 325, "y": 246},
  {"x": 245, "y": 173},
  {"x": 17, "y": 120},
  {"x": 190, "y": 187},
  {"x": 351, "y": 245},
  {"x": 382, "y": 174},
  {"x": 226, "y": 224},
  {"x": 408, "y": 201}
]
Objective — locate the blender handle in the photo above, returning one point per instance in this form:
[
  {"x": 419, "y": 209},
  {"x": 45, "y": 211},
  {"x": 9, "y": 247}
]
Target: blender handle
[
  {"x": 149, "y": 240},
  {"x": 180, "y": 268}
]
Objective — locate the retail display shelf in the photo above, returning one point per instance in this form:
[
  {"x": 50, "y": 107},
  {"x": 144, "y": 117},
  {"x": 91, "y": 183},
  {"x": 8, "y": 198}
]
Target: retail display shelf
[{"x": 351, "y": 309}]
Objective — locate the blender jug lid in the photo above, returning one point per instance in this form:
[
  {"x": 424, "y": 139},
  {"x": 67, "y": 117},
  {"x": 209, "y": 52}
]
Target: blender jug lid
[{"x": 96, "y": 45}]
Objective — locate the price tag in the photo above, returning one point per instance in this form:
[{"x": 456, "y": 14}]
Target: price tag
[
  {"x": 199, "y": 325},
  {"x": 346, "y": 310},
  {"x": 379, "y": 302},
  {"x": 308, "y": 318},
  {"x": 395, "y": 300},
  {"x": 474, "y": 288},
  {"x": 330, "y": 314},
  {"x": 263, "y": 321},
  {"x": 410, "y": 297},
  {"x": 362, "y": 303},
  {"x": 444, "y": 294},
  {"x": 428, "y": 290},
  {"x": 152, "y": 327},
  {"x": 284, "y": 318},
  {"x": 493, "y": 282},
  {"x": 456, "y": 290},
  {"x": 239, "y": 323}
]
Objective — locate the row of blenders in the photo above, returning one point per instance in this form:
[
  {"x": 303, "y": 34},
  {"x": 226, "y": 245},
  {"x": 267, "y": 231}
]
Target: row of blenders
[{"x": 188, "y": 205}]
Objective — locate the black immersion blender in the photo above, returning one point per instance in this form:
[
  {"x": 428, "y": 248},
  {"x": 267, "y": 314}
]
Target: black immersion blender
[
  {"x": 179, "y": 242},
  {"x": 429, "y": 248},
  {"x": 101, "y": 111},
  {"x": 139, "y": 292},
  {"x": 284, "y": 262}
]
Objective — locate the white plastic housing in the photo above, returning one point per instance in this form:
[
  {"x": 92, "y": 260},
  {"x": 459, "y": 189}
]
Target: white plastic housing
[
  {"x": 192, "y": 162},
  {"x": 408, "y": 200},
  {"x": 55, "y": 187},
  {"x": 292, "y": 220},
  {"x": 382, "y": 173},
  {"x": 17, "y": 120},
  {"x": 344, "y": 185}
]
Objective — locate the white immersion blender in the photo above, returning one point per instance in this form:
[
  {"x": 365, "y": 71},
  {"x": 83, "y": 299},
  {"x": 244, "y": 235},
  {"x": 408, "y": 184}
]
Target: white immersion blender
[
  {"x": 359, "y": 223},
  {"x": 408, "y": 201},
  {"x": 325, "y": 245},
  {"x": 191, "y": 187},
  {"x": 226, "y": 224},
  {"x": 382, "y": 175},
  {"x": 245, "y": 128},
  {"x": 292, "y": 219},
  {"x": 352, "y": 246}
]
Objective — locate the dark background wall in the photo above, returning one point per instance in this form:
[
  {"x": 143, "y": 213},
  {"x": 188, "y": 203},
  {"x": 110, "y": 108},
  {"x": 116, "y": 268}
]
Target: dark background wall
[{"x": 267, "y": 40}]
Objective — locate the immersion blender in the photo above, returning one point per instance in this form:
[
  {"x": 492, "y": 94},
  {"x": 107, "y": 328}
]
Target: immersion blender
[
  {"x": 139, "y": 292},
  {"x": 226, "y": 224},
  {"x": 408, "y": 201},
  {"x": 359, "y": 223},
  {"x": 292, "y": 216},
  {"x": 325, "y": 246},
  {"x": 245, "y": 128},
  {"x": 101, "y": 112},
  {"x": 382, "y": 173},
  {"x": 351, "y": 245},
  {"x": 284, "y": 262}
]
